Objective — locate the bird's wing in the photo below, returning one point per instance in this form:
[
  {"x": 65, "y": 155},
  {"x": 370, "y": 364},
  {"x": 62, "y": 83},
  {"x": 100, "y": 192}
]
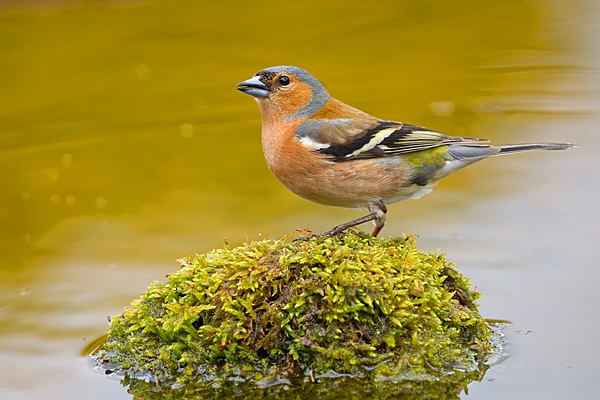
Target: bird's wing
[
  {"x": 323, "y": 133},
  {"x": 350, "y": 139}
]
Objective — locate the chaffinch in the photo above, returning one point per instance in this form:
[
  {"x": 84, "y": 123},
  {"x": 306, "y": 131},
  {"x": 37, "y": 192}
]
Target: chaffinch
[{"x": 333, "y": 154}]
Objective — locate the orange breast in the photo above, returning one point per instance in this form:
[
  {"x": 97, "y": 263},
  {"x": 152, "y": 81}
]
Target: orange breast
[{"x": 317, "y": 178}]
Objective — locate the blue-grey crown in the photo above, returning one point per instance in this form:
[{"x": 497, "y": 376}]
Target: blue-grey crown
[{"x": 320, "y": 95}]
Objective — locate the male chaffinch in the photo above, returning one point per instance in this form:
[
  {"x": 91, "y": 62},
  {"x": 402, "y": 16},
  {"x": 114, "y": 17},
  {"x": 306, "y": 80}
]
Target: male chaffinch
[{"x": 333, "y": 154}]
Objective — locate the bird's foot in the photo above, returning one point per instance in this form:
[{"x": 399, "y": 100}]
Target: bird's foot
[{"x": 334, "y": 232}]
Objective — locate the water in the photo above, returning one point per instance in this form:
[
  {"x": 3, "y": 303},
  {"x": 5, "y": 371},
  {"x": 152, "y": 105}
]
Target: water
[{"x": 124, "y": 146}]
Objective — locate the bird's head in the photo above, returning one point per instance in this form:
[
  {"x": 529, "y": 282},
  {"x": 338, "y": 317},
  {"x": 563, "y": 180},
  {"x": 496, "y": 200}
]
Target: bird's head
[{"x": 289, "y": 91}]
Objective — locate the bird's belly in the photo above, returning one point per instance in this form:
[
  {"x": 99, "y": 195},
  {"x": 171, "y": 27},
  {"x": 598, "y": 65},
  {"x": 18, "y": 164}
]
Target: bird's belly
[
  {"x": 352, "y": 184},
  {"x": 411, "y": 192}
]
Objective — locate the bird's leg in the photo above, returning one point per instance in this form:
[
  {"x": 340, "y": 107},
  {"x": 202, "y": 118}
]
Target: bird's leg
[
  {"x": 376, "y": 230},
  {"x": 341, "y": 228},
  {"x": 378, "y": 210}
]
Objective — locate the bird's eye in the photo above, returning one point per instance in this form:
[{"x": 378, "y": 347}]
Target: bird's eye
[{"x": 284, "y": 80}]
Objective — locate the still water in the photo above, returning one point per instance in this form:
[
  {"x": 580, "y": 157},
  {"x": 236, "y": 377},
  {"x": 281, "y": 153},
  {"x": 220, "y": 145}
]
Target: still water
[{"x": 124, "y": 146}]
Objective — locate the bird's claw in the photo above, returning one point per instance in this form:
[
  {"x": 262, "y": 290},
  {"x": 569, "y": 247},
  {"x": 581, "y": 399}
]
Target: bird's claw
[{"x": 334, "y": 232}]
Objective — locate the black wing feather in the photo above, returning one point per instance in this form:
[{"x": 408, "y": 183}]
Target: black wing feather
[{"x": 405, "y": 139}]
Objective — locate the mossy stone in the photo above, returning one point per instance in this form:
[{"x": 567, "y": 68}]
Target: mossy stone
[{"x": 267, "y": 313}]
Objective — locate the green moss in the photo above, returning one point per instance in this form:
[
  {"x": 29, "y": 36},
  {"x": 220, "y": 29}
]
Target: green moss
[{"x": 274, "y": 312}]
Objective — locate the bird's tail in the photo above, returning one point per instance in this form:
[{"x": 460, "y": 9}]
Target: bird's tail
[{"x": 518, "y": 148}]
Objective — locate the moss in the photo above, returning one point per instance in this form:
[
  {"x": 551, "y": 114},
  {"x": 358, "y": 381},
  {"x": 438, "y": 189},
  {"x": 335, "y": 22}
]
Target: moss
[{"x": 351, "y": 308}]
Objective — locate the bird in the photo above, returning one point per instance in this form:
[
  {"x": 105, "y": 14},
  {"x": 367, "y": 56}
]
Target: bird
[{"x": 334, "y": 154}]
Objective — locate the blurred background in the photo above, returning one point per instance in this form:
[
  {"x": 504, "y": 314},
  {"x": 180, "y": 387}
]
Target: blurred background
[{"x": 124, "y": 145}]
